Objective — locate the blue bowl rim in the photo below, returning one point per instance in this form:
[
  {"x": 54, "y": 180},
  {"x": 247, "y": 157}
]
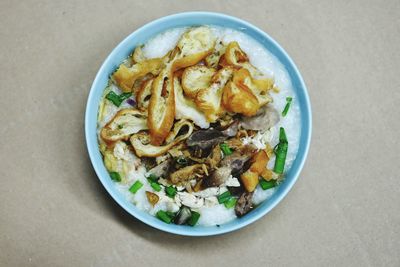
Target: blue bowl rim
[{"x": 92, "y": 143}]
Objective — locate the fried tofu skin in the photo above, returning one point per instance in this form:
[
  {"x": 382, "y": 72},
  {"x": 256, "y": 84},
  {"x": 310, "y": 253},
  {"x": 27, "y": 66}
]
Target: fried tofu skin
[
  {"x": 213, "y": 59},
  {"x": 240, "y": 100},
  {"x": 195, "y": 78},
  {"x": 193, "y": 46},
  {"x": 141, "y": 141},
  {"x": 143, "y": 94},
  {"x": 185, "y": 108},
  {"x": 234, "y": 55},
  {"x": 259, "y": 88},
  {"x": 161, "y": 107},
  {"x": 208, "y": 99},
  {"x": 125, "y": 77},
  {"x": 138, "y": 55},
  {"x": 125, "y": 123}
]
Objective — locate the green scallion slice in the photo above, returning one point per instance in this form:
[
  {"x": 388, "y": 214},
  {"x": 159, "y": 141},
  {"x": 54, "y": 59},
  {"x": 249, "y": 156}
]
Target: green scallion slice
[
  {"x": 152, "y": 178},
  {"x": 224, "y": 197},
  {"x": 280, "y": 151},
  {"x": 267, "y": 184},
  {"x": 115, "y": 176},
  {"x": 194, "y": 218},
  {"x": 230, "y": 203},
  {"x": 117, "y": 99},
  {"x": 171, "y": 214},
  {"x": 163, "y": 216},
  {"x": 226, "y": 149},
  {"x": 124, "y": 96},
  {"x": 114, "y": 98},
  {"x": 135, "y": 187},
  {"x": 156, "y": 186},
  {"x": 287, "y": 106},
  {"x": 170, "y": 191}
]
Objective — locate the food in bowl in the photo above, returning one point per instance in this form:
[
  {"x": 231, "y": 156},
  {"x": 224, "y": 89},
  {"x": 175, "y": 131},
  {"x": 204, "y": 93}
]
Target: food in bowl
[{"x": 199, "y": 125}]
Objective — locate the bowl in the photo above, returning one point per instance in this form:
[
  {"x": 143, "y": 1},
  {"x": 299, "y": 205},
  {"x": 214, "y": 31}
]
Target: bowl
[{"x": 145, "y": 33}]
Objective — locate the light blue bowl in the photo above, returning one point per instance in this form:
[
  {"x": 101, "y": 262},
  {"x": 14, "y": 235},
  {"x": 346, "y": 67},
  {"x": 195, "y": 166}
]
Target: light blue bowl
[{"x": 143, "y": 34}]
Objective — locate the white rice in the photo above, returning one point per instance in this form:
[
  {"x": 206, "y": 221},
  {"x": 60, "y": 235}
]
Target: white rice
[{"x": 271, "y": 67}]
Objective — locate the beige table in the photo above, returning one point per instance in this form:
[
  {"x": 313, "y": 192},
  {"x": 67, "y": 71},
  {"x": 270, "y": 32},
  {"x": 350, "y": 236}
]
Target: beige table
[{"x": 344, "y": 210}]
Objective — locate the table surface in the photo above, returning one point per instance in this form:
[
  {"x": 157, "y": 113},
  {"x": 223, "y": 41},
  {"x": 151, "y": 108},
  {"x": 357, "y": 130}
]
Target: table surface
[{"x": 343, "y": 211}]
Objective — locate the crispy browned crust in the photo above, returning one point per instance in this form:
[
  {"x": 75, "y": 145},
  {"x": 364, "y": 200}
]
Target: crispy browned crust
[{"x": 161, "y": 107}]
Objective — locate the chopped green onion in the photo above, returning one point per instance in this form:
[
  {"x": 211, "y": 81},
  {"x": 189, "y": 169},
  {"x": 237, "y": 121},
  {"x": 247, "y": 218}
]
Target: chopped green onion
[
  {"x": 113, "y": 97},
  {"x": 135, "y": 187},
  {"x": 171, "y": 214},
  {"x": 230, "y": 203},
  {"x": 280, "y": 152},
  {"x": 156, "y": 186},
  {"x": 194, "y": 218},
  {"x": 152, "y": 178},
  {"x": 226, "y": 149},
  {"x": 117, "y": 99},
  {"x": 171, "y": 191},
  {"x": 115, "y": 176},
  {"x": 163, "y": 216},
  {"x": 124, "y": 96},
  {"x": 182, "y": 161},
  {"x": 224, "y": 197},
  {"x": 267, "y": 184},
  {"x": 286, "y": 109}
]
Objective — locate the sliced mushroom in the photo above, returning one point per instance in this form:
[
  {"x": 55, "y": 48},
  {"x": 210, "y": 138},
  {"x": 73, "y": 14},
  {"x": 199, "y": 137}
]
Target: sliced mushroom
[
  {"x": 266, "y": 117},
  {"x": 205, "y": 139},
  {"x": 238, "y": 158},
  {"x": 162, "y": 169},
  {"x": 218, "y": 177},
  {"x": 244, "y": 204},
  {"x": 232, "y": 129}
]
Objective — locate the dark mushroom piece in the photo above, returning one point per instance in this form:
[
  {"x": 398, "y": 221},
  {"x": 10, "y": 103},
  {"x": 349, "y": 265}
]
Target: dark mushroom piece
[
  {"x": 218, "y": 177},
  {"x": 231, "y": 164},
  {"x": 238, "y": 158},
  {"x": 266, "y": 117},
  {"x": 232, "y": 129},
  {"x": 205, "y": 139},
  {"x": 162, "y": 169},
  {"x": 244, "y": 204}
]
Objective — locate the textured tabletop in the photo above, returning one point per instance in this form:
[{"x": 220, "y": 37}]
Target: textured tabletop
[{"x": 343, "y": 211}]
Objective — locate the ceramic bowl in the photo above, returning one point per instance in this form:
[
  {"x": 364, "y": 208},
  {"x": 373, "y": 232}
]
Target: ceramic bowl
[{"x": 150, "y": 30}]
